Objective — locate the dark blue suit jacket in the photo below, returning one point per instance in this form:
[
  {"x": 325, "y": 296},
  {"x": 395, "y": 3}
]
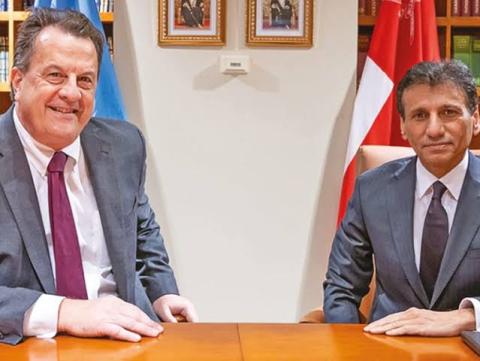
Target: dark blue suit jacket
[{"x": 378, "y": 229}]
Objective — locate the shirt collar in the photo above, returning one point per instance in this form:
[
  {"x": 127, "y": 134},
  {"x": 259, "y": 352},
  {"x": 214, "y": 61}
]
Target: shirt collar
[
  {"x": 453, "y": 180},
  {"x": 39, "y": 155}
]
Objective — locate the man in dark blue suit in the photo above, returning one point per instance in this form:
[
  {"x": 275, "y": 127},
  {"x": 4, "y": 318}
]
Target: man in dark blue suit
[{"x": 415, "y": 220}]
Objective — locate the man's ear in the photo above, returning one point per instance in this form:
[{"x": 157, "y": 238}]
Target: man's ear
[
  {"x": 402, "y": 129},
  {"x": 16, "y": 77},
  {"x": 476, "y": 122}
]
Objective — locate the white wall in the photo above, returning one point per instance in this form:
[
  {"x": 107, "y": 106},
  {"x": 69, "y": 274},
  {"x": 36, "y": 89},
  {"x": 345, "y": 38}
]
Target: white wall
[{"x": 244, "y": 172}]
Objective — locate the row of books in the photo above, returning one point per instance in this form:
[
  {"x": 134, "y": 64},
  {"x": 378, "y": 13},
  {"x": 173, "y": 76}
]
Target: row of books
[
  {"x": 459, "y": 7},
  {"x": 3, "y": 59},
  {"x": 110, "y": 45},
  {"x": 363, "y": 45},
  {"x": 368, "y": 7},
  {"x": 466, "y": 48},
  {"x": 25, "y": 3},
  {"x": 104, "y": 6},
  {"x": 465, "y": 7}
]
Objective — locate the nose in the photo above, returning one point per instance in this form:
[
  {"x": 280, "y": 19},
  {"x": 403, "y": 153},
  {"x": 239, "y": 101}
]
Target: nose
[
  {"x": 69, "y": 90},
  {"x": 435, "y": 127}
]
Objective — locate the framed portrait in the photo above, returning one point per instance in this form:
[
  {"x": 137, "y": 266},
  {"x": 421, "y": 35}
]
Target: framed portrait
[
  {"x": 279, "y": 23},
  {"x": 191, "y": 22}
]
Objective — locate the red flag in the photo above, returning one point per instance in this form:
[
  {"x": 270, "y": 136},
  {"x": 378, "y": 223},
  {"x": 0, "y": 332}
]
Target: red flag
[{"x": 405, "y": 33}]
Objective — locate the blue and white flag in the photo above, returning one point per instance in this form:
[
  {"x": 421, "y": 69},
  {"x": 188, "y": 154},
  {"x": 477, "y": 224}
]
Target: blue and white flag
[{"x": 108, "y": 99}]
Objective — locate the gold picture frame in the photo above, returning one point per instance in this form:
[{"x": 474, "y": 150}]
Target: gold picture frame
[
  {"x": 191, "y": 22},
  {"x": 280, "y": 23}
]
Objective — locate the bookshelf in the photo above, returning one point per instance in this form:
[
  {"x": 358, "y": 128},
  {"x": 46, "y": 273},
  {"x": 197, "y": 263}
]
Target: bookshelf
[
  {"x": 448, "y": 26},
  {"x": 10, "y": 20}
]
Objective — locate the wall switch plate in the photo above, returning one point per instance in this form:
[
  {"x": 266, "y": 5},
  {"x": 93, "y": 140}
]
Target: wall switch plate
[{"x": 234, "y": 64}]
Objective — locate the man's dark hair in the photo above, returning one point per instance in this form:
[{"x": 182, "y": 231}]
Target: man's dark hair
[
  {"x": 436, "y": 73},
  {"x": 69, "y": 21}
]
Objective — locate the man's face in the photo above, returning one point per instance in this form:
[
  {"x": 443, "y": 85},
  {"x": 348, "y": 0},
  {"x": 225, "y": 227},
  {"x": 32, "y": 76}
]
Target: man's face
[
  {"x": 438, "y": 125},
  {"x": 55, "y": 96}
]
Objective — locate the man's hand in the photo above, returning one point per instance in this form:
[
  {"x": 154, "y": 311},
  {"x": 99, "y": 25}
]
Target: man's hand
[
  {"x": 105, "y": 317},
  {"x": 420, "y": 322},
  {"x": 169, "y": 306}
]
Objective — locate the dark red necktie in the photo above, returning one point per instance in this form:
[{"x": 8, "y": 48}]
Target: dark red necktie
[
  {"x": 434, "y": 239},
  {"x": 68, "y": 261}
]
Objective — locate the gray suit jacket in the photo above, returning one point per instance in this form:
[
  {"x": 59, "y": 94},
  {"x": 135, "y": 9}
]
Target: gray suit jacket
[
  {"x": 379, "y": 223},
  {"x": 115, "y": 156}
]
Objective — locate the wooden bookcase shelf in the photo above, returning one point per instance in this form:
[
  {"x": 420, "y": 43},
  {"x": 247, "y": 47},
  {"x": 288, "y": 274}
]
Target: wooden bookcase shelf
[
  {"x": 106, "y": 17},
  {"x": 22, "y": 15},
  {"x": 9, "y": 22},
  {"x": 366, "y": 20}
]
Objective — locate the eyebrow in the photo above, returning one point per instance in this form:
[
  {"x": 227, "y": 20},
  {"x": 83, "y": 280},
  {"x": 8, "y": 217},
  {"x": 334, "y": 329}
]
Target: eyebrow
[
  {"x": 443, "y": 106},
  {"x": 56, "y": 67},
  {"x": 89, "y": 73},
  {"x": 416, "y": 110}
]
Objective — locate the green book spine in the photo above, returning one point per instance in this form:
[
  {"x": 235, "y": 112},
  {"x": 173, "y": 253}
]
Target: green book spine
[
  {"x": 462, "y": 49},
  {"x": 476, "y": 60}
]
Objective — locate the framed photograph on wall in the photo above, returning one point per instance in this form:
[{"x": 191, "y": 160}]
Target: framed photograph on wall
[
  {"x": 191, "y": 22},
  {"x": 279, "y": 23}
]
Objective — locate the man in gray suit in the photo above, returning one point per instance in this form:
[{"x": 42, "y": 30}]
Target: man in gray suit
[
  {"x": 415, "y": 220},
  {"x": 80, "y": 251}
]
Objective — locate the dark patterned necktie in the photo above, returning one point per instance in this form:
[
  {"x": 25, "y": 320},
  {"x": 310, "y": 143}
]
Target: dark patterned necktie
[
  {"x": 434, "y": 239},
  {"x": 68, "y": 261}
]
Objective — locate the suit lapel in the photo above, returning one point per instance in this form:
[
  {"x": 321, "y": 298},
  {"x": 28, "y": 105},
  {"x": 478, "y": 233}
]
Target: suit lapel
[
  {"x": 464, "y": 227},
  {"x": 400, "y": 201},
  {"x": 16, "y": 181},
  {"x": 103, "y": 175}
]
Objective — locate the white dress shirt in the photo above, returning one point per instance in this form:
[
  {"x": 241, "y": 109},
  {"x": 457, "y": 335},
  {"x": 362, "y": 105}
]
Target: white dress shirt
[
  {"x": 41, "y": 319},
  {"x": 453, "y": 180}
]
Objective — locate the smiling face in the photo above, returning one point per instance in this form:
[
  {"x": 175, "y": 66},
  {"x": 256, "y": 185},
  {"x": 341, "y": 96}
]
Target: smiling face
[
  {"x": 54, "y": 97},
  {"x": 438, "y": 125}
]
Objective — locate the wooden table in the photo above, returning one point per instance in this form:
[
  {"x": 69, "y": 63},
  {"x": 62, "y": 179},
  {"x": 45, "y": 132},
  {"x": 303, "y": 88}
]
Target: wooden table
[{"x": 248, "y": 342}]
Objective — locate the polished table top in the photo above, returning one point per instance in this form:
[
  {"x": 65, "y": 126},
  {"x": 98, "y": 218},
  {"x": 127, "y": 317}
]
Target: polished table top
[{"x": 247, "y": 342}]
